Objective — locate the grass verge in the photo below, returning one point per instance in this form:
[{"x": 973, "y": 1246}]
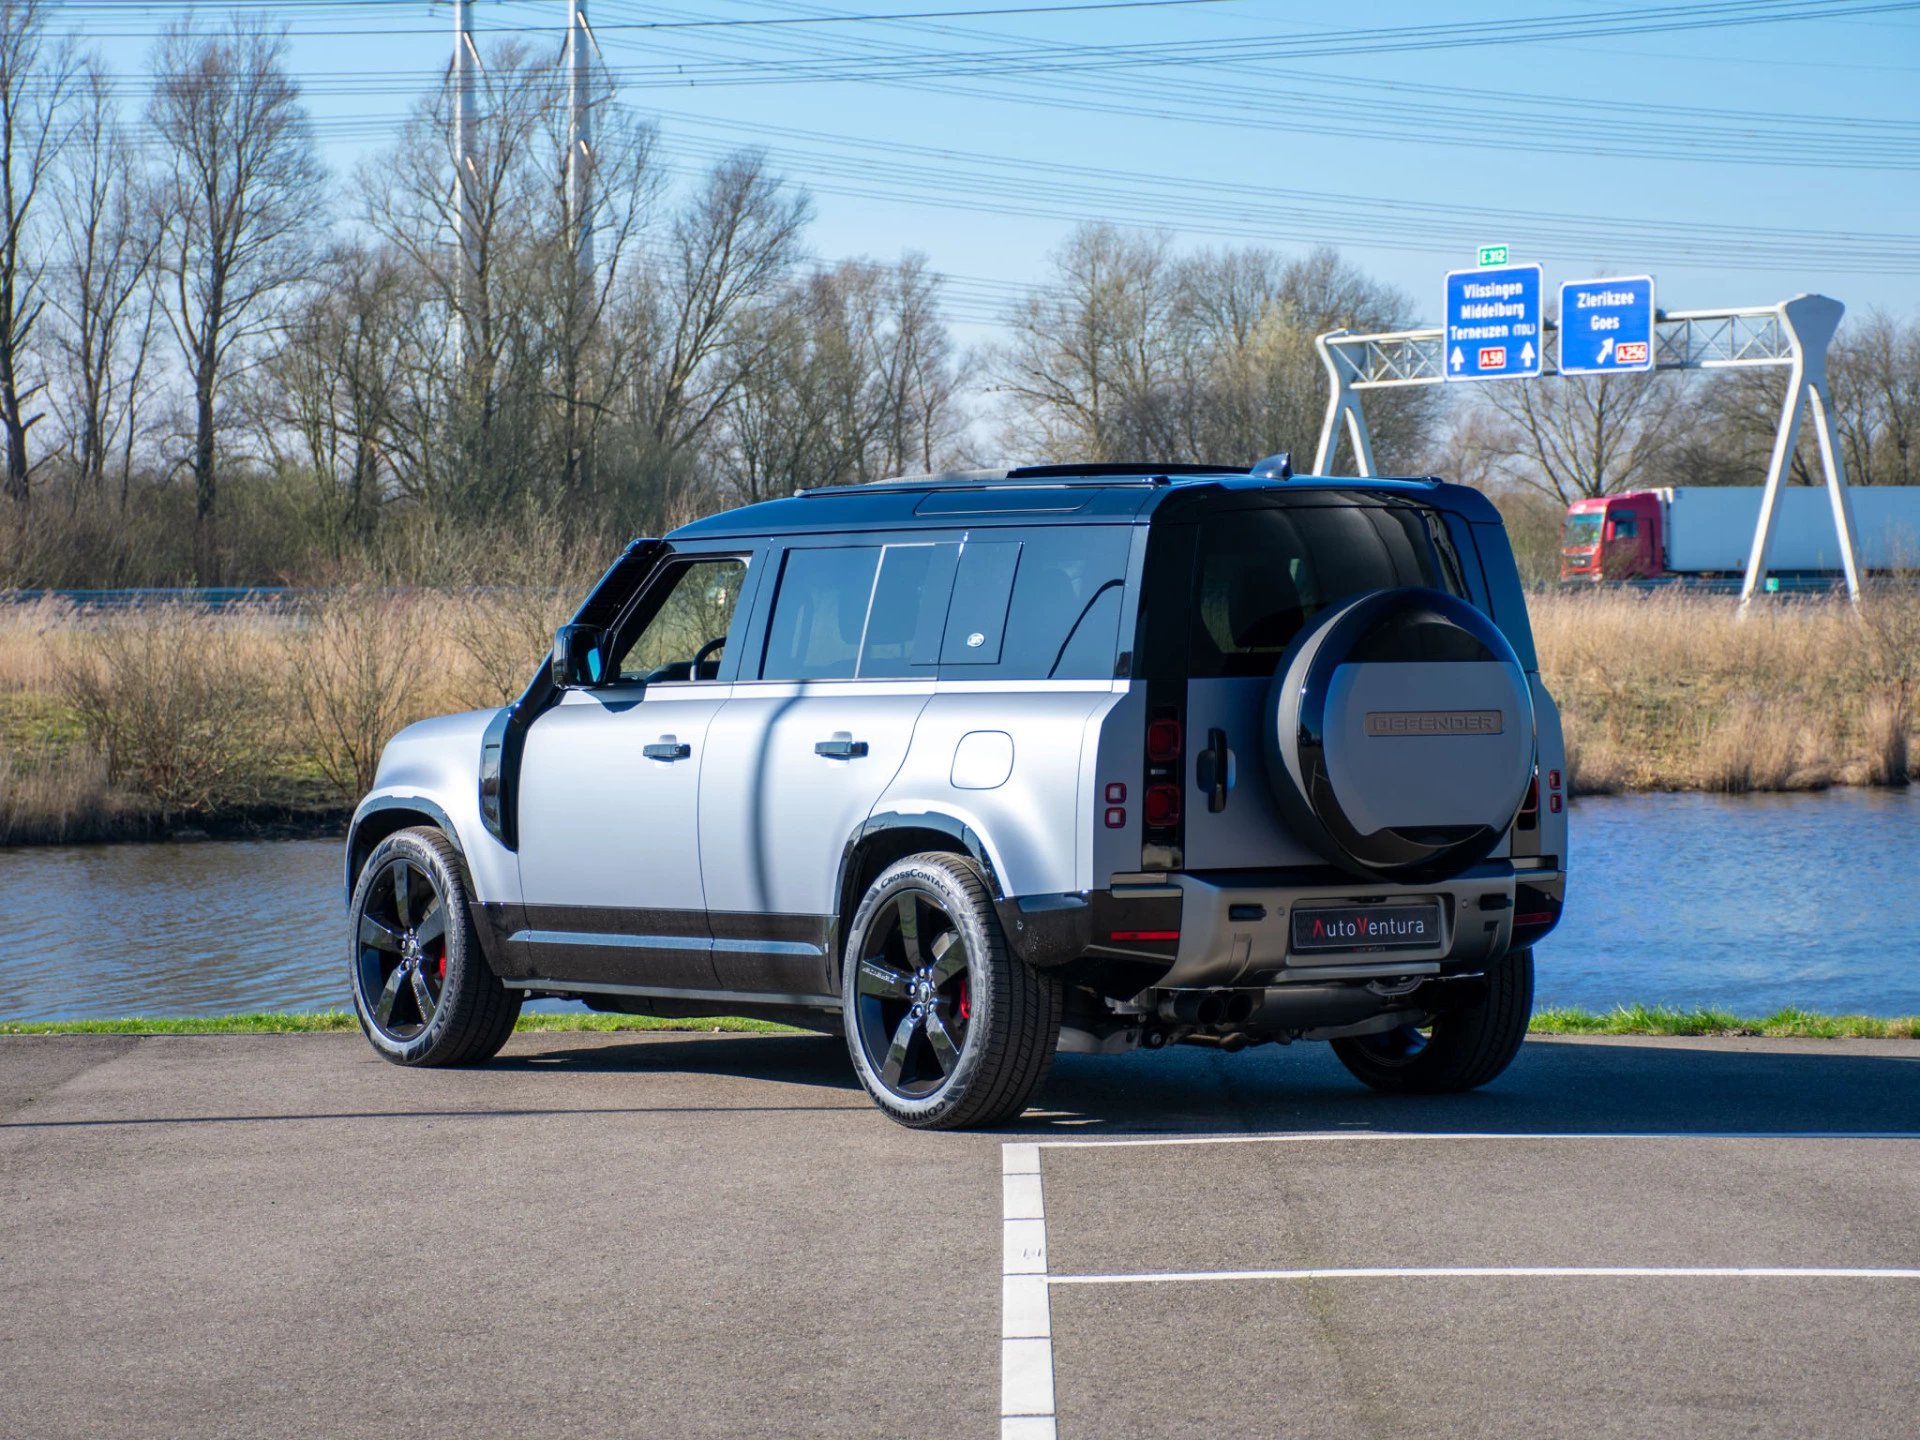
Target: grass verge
[
  {"x": 1626, "y": 1020},
  {"x": 1782, "y": 1024}
]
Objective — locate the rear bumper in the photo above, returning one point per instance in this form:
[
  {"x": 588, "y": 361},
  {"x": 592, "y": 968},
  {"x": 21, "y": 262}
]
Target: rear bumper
[{"x": 1234, "y": 928}]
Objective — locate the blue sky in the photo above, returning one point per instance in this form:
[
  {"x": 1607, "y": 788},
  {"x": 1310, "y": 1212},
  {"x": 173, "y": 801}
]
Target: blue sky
[{"x": 1738, "y": 165}]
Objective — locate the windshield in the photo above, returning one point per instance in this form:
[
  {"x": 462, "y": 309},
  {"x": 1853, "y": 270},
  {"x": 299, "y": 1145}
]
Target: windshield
[{"x": 1583, "y": 530}]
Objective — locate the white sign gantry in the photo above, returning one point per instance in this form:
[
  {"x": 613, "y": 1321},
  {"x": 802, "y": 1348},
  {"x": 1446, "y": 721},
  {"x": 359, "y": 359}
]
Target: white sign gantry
[{"x": 1794, "y": 333}]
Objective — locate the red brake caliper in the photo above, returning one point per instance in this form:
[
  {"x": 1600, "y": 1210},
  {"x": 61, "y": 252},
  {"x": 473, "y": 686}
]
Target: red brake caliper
[{"x": 966, "y": 999}]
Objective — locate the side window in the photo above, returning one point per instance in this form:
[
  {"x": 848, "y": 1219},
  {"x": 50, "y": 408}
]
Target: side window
[
  {"x": 859, "y": 612},
  {"x": 910, "y": 595},
  {"x": 819, "y": 612},
  {"x": 684, "y": 637},
  {"x": 1040, "y": 604}
]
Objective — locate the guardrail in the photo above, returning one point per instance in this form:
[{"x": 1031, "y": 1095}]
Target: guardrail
[{"x": 217, "y": 597}]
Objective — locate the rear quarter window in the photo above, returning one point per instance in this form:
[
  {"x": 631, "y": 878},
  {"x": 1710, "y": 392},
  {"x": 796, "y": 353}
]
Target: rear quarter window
[
  {"x": 1044, "y": 604},
  {"x": 1260, "y": 575}
]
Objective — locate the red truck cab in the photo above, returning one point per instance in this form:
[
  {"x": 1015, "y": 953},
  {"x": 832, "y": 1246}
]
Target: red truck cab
[{"x": 1613, "y": 537}]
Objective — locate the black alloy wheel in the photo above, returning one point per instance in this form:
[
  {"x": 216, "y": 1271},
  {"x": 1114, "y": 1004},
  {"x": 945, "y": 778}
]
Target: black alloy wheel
[
  {"x": 1398, "y": 1048},
  {"x": 421, "y": 986},
  {"x": 946, "y": 1026},
  {"x": 915, "y": 998},
  {"x": 1456, "y": 1049},
  {"x": 403, "y": 948}
]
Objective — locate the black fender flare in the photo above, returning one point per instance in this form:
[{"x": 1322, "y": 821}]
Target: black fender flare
[
  {"x": 953, "y": 828},
  {"x": 380, "y": 804},
  {"x": 875, "y": 830}
]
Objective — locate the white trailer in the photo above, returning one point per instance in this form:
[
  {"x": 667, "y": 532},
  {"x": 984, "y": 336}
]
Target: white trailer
[{"x": 1709, "y": 529}]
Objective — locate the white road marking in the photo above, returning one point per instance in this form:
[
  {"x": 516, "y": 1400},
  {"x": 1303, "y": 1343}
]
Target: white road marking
[
  {"x": 1026, "y": 1327},
  {"x": 1504, "y": 1272},
  {"x": 1020, "y": 1197},
  {"x": 1026, "y": 1324},
  {"x": 1024, "y": 1247},
  {"x": 1315, "y": 1137},
  {"x": 1023, "y": 1307},
  {"x": 1027, "y": 1427}
]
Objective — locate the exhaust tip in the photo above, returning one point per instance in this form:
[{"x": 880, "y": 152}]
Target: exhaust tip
[{"x": 1240, "y": 1007}]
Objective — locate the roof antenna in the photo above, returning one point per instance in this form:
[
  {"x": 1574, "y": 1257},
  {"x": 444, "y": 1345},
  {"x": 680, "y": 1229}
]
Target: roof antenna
[{"x": 1274, "y": 467}]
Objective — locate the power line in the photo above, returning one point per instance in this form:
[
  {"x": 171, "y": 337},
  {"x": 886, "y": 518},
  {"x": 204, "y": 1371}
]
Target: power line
[
  {"x": 1030, "y": 58},
  {"x": 1450, "y": 35},
  {"x": 727, "y": 24}
]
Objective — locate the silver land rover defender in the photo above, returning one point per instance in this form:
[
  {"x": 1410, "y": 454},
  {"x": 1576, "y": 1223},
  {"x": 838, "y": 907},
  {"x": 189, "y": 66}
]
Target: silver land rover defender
[{"x": 975, "y": 767}]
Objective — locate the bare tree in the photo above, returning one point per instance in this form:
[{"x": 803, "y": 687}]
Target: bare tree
[
  {"x": 333, "y": 387},
  {"x": 731, "y": 248},
  {"x": 468, "y": 233},
  {"x": 35, "y": 83},
  {"x": 587, "y": 314},
  {"x": 1875, "y": 369},
  {"x": 108, "y": 243},
  {"x": 1132, "y": 354},
  {"x": 547, "y": 327},
  {"x": 1257, "y": 385},
  {"x": 1582, "y": 435},
  {"x": 917, "y": 378},
  {"x": 857, "y": 383},
  {"x": 238, "y": 192},
  {"x": 1094, "y": 354}
]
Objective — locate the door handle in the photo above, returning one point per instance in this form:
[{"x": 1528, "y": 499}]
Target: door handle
[
  {"x": 841, "y": 749},
  {"x": 668, "y": 749},
  {"x": 1214, "y": 770}
]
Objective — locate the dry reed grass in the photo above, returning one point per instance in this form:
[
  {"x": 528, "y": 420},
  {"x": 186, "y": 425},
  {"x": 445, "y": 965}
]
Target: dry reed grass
[
  {"x": 121, "y": 723},
  {"x": 60, "y": 800},
  {"x": 109, "y": 723},
  {"x": 1675, "y": 691}
]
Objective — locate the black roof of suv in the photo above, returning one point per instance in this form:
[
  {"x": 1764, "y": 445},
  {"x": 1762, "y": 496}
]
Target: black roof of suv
[{"x": 1111, "y": 494}]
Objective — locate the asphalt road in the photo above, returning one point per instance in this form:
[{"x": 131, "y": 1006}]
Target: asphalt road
[{"x": 668, "y": 1236}]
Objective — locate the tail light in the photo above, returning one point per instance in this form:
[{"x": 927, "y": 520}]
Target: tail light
[
  {"x": 1530, "y": 807},
  {"x": 1163, "y": 776},
  {"x": 1163, "y": 741},
  {"x": 1162, "y": 806}
]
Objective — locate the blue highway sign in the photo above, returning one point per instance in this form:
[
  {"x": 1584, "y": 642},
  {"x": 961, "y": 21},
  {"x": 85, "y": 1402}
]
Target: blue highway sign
[
  {"x": 1606, "y": 326},
  {"x": 1493, "y": 323}
]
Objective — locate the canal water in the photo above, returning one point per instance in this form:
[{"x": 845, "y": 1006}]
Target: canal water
[{"x": 1744, "y": 904}]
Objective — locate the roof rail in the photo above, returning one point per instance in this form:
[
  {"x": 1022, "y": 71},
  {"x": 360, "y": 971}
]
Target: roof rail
[
  {"x": 1028, "y": 477},
  {"x": 1141, "y": 472}
]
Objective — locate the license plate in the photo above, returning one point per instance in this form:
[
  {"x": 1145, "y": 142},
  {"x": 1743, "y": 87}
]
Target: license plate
[{"x": 1367, "y": 927}]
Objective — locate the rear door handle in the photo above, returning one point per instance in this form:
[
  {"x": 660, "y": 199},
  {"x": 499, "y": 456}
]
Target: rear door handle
[
  {"x": 668, "y": 749},
  {"x": 840, "y": 749},
  {"x": 1215, "y": 770}
]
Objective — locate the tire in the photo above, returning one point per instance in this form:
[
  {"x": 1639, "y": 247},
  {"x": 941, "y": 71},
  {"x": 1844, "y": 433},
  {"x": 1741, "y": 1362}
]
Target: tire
[
  {"x": 421, "y": 987},
  {"x": 948, "y": 1029},
  {"x": 1461, "y": 1050}
]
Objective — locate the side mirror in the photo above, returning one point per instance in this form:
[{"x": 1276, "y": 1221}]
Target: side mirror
[{"x": 579, "y": 657}]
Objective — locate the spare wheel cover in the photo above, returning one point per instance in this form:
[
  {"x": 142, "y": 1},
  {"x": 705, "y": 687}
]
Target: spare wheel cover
[{"x": 1400, "y": 735}]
